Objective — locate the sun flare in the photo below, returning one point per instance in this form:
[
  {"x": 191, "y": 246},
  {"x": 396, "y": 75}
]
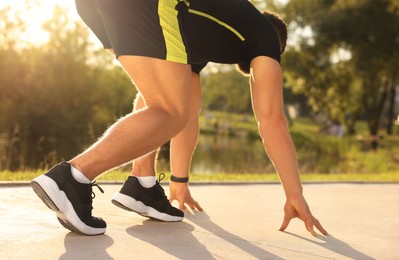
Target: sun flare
[{"x": 35, "y": 13}]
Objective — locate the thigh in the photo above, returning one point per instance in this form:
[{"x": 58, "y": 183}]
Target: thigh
[
  {"x": 160, "y": 82},
  {"x": 195, "y": 101}
]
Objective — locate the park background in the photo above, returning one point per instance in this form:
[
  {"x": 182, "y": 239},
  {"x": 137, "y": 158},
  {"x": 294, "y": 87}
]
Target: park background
[{"x": 59, "y": 91}]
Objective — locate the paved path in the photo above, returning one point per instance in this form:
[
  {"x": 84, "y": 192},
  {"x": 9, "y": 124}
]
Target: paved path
[{"x": 240, "y": 222}]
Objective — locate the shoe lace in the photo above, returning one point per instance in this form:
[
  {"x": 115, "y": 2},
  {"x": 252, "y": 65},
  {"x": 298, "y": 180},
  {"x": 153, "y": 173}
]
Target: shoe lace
[
  {"x": 158, "y": 186},
  {"x": 88, "y": 210},
  {"x": 94, "y": 184},
  {"x": 161, "y": 176}
]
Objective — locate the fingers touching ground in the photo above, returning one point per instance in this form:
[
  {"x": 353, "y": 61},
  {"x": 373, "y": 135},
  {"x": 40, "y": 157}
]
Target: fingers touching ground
[
  {"x": 194, "y": 205},
  {"x": 286, "y": 222},
  {"x": 317, "y": 224},
  {"x": 310, "y": 223}
]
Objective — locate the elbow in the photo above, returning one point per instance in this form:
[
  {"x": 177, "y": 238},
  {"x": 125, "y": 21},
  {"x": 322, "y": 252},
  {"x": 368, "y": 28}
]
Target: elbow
[{"x": 268, "y": 122}]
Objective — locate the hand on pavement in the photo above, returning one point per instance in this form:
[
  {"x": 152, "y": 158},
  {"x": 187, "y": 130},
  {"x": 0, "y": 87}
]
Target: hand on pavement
[
  {"x": 181, "y": 193},
  {"x": 298, "y": 208}
]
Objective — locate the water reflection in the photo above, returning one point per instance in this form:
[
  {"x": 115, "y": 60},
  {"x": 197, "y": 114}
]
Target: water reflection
[{"x": 233, "y": 154}]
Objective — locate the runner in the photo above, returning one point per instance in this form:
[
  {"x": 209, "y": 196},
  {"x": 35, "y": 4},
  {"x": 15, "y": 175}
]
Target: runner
[{"x": 159, "y": 43}]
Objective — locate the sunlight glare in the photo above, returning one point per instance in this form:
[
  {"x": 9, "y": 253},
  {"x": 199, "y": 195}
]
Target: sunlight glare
[{"x": 35, "y": 13}]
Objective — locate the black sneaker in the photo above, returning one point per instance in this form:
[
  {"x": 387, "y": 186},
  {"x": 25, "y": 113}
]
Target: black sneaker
[
  {"x": 70, "y": 199},
  {"x": 149, "y": 202}
]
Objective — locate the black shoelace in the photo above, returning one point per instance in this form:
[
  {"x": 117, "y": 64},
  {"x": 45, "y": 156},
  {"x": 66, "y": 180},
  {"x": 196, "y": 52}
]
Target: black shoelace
[
  {"x": 161, "y": 177},
  {"x": 93, "y": 195},
  {"x": 158, "y": 186}
]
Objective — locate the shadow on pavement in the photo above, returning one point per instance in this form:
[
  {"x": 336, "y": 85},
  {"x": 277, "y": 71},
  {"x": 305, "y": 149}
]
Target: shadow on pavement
[
  {"x": 86, "y": 247},
  {"x": 175, "y": 239},
  {"x": 333, "y": 244},
  {"x": 203, "y": 220}
]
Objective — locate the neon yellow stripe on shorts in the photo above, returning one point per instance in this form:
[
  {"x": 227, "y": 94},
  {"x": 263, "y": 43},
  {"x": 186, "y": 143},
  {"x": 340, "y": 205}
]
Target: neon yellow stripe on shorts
[{"x": 175, "y": 48}]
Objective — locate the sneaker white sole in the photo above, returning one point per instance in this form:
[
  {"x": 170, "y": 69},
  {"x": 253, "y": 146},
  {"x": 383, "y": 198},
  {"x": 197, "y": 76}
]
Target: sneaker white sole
[
  {"x": 54, "y": 198},
  {"x": 128, "y": 203}
]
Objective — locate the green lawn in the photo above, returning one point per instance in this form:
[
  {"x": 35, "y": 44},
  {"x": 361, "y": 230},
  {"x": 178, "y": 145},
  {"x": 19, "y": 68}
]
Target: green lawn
[
  {"x": 321, "y": 157},
  {"x": 220, "y": 177}
]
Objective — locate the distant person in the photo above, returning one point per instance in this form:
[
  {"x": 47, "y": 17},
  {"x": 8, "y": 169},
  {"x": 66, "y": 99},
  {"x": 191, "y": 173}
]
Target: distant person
[
  {"x": 163, "y": 45},
  {"x": 337, "y": 129}
]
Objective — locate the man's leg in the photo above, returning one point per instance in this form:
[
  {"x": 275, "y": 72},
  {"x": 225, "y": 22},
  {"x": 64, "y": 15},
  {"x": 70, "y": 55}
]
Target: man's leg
[
  {"x": 143, "y": 166},
  {"x": 182, "y": 144},
  {"x": 140, "y": 192},
  {"x": 165, "y": 87}
]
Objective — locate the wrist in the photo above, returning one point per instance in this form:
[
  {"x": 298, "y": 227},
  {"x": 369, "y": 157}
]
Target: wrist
[
  {"x": 294, "y": 195},
  {"x": 179, "y": 179}
]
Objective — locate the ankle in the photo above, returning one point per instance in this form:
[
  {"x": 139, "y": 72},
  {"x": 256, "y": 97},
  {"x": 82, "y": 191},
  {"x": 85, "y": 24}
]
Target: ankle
[
  {"x": 79, "y": 176},
  {"x": 147, "y": 181}
]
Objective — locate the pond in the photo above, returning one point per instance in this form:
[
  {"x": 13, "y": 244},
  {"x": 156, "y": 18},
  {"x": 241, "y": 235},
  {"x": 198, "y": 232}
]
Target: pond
[
  {"x": 228, "y": 154},
  {"x": 238, "y": 154}
]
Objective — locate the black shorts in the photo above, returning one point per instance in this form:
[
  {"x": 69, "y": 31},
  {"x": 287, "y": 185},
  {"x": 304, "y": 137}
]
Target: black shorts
[
  {"x": 136, "y": 27},
  {"x": 184, "y": 31},
  {"x": 226, "y": 31}
]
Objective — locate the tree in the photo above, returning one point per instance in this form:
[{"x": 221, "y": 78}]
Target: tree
[
  {"x": 11, "y": 26},
  {"x": 226, "y": 90},
  {"x": 55, "y": 100},
  {"x": 375, "y": 50},
  {"x": 367, "y": 31}
]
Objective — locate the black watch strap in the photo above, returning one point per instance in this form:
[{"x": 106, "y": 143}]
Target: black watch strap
[{"x": 178, "y": 179}]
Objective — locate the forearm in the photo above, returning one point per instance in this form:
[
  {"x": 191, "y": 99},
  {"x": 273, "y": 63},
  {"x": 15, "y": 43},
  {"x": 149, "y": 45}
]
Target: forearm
[
  {"x": 182, "y": 149},
  {"x": 281, "y": 151},
  {"x": 183, "y": 144}
]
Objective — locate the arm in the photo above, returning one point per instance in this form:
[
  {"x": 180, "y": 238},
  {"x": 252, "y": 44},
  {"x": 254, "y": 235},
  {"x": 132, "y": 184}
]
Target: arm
[
  {"x": 267, "y": 101},
  {"x": 182, "y": 149}
]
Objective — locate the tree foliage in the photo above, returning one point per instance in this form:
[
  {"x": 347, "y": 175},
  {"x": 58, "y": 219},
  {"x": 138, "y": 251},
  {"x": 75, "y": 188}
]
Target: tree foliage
[
  {"x": 226, "y": 90},
  {"x": 53, "y": 102},
  {"x": 59, "y": 97},
  {"x": 348, "y": 60}
]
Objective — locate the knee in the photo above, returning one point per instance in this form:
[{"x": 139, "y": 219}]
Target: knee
[
  {"x": 181, "y": 118},
  {"x": 178, "y": 116}
]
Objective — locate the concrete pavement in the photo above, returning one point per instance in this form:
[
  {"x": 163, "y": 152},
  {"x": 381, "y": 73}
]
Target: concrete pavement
[{"x": 239, "y": 222}]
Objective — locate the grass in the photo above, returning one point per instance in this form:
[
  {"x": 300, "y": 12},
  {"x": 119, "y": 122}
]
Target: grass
[
  {"x": 228, "y": 177},
  {"x": 321, "y": 157}
]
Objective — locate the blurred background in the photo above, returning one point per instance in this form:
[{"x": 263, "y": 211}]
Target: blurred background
[{"x": 59, "y": 90}]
